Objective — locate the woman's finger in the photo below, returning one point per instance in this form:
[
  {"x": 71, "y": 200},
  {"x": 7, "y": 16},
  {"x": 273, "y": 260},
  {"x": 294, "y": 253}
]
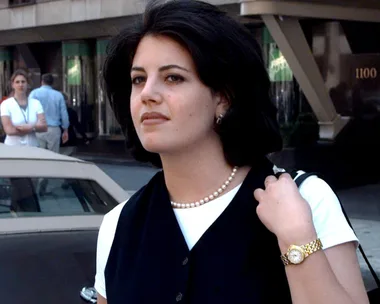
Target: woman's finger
[
  {"x": 258, "y": 194},
  {"x": 270, "y": 179}
]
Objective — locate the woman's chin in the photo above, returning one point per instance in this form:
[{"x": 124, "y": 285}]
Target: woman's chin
[
  {"x": 154, "y": 147},
  {"x": 160, "y": 147}
]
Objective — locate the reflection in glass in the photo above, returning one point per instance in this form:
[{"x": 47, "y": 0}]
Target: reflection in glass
[
  {"x": 107, "y": 123},
  {"x": 79, "y": 81},
  {"x": 285, "y": 91},
  {"x": 22, "y": 197},
  {"x": 5, "y": 72}
]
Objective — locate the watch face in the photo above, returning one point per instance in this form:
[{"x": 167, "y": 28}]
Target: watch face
[{"x": 295, "y": 256}]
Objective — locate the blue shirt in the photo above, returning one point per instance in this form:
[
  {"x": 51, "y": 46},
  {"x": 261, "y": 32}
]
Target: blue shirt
[{"x": 53, "y": 104}]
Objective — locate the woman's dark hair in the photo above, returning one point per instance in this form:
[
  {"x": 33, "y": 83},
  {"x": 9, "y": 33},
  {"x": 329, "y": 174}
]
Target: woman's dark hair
[{"x": 228, "y": 60}]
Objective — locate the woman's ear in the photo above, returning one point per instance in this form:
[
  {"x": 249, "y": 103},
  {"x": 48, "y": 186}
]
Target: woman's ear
[{"x": 222, "y": 104}]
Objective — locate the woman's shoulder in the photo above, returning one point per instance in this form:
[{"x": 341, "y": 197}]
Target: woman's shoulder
[
  {"x": 320, "y": 196},
  {"x": 110, "y": 220},
  {"x": 129, "y": 208},
  {"x": 328, "y": 216},
  {"x": 34, "y": 101},
  {"x": 114, "y": 214},
  {"x": 314, "y": 185},
  {"x": 35, "y": 105},
  {"x": 8, "y": 101}
]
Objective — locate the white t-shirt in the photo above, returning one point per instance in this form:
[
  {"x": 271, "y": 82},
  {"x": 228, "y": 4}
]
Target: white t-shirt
[
  {"x": 329, "y": 221},
  {"x": 20, "y": 116}
]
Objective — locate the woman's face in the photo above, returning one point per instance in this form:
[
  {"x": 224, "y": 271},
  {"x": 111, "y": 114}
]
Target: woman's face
[
  {"x": 20, "y": 84},
  {"x": 171, "y": 108}
]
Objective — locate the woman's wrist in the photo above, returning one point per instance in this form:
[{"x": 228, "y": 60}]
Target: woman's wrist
[{"x": 299, "y": 237}]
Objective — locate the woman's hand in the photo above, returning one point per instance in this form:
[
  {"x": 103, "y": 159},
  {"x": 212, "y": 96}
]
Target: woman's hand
[{"x": 284, "y": 212}]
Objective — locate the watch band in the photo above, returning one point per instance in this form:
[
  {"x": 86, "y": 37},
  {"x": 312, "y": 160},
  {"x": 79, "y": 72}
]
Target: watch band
[
  {"x": 307, "y": 249},
  {"x": 285, "y": 259}
]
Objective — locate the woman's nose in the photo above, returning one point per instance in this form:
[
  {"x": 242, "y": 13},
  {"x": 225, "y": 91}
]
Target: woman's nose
[{"x": 151, "y": 92}]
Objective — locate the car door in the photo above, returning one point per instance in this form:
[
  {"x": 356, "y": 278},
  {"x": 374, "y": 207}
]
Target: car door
[{"x": 46, "y": 261}]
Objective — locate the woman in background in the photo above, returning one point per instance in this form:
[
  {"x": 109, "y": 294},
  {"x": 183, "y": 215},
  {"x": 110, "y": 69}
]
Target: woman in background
[{"x": 22, "y": 117}]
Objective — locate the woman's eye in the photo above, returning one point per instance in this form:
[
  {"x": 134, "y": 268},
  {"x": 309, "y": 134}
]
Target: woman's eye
[
  {"x": 138, "y": 79},
  {"x": 174, "y": 78}
]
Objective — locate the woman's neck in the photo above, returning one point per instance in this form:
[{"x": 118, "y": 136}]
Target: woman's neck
[
  {"x": 21, "y": 98},
  {"x": 198, "y": 172}
]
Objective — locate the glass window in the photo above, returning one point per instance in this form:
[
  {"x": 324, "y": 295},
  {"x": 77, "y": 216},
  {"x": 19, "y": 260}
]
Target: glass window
[
  {"x": 293, "y": 109},
  {"x": 107, "y": 123},
  {"x": 78, "y": 64},
  {"x": 52, "y": 197}
]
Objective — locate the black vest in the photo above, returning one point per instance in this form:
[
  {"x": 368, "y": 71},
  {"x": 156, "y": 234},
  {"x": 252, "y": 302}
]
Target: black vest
[{"x": 236, "y": 261}]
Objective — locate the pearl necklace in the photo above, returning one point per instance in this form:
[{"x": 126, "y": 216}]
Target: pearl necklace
[{"x": 207, "y": 198}]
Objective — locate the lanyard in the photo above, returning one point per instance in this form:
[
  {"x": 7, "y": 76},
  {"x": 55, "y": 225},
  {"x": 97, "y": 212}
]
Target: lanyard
[{"x": 24, "y": 113}]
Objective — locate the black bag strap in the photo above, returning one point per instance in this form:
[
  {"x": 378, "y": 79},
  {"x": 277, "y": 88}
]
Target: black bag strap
[{"x": 299, "y": 180}]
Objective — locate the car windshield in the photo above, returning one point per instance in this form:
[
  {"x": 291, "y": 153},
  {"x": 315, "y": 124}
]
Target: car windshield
[{"x": 27, "y": 197}]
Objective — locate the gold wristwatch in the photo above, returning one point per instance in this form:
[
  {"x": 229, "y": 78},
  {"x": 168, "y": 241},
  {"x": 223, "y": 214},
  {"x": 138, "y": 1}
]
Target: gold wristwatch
[{"x": 297, "y": 254}]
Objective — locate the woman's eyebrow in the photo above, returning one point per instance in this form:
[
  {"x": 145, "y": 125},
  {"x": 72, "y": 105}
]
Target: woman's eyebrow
[
  {"x": 137, "y": 68},
  {"x": 172, "y": 66},
  {"x": 161, "y": 69}
]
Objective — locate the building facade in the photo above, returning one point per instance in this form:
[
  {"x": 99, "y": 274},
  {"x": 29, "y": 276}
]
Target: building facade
[{"x": 323, "y": 58}]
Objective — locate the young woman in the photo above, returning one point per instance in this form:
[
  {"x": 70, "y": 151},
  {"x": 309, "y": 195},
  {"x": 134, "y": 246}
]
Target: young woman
[
  {"x": 212, "y": 225},
  {"x": 22, "y": 117}
]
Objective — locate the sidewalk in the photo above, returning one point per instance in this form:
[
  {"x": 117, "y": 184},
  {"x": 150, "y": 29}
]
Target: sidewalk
[
  {"x": 362, "y": 205},
  {"x": 368, "y": 233}
]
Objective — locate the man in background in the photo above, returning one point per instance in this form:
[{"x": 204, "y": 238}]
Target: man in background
[{"x": 54, "y": 106}]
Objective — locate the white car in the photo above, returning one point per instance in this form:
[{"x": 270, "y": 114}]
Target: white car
[{"x": 51, "y": 207}]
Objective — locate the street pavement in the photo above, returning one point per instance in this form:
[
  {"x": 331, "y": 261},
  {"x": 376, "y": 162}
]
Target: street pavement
[
  {"x": 368, "y": 233},
  {"x": 130, "y": 178},
  {"x": 362, "y": 205}
]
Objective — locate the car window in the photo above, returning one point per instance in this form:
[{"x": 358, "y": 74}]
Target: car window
[{"x": 52, "y": 196}]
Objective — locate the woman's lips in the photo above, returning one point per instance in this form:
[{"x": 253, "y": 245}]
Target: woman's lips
[{"x": 152, "y": 118}]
